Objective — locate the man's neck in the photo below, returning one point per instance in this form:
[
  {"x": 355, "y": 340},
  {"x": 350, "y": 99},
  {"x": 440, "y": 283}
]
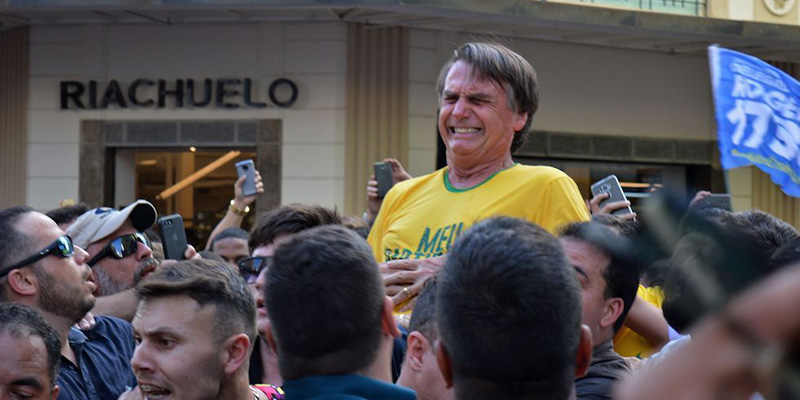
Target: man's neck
[
  {"x": 381, "y": 367},
  {"x": 62, "y": 326},
  {"x": 236, "y": 387},
  {"x": 465, "y": 175},
  {"x": 269, "y": 365}
]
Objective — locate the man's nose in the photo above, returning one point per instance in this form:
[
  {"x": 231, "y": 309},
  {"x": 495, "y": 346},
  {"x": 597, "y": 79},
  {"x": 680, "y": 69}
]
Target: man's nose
[
  {"x": 461, "y": 108},
  {"x": 143, "y": 252}
]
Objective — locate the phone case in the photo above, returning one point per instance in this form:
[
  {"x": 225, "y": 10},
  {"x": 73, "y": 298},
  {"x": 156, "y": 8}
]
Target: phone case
[
  {"x": 610, "y": 185},
  {"x": 173, "y": 236},
  {"x": 383, "y": 174},
  {"x": 247, "y": 168}
]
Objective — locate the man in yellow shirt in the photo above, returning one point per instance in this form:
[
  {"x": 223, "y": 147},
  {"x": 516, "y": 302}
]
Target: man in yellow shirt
[{"x": 487, "y": 97}]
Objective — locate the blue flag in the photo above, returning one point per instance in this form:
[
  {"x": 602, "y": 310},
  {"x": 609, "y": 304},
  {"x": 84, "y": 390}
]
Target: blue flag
[{"x": 758, "y": 112}]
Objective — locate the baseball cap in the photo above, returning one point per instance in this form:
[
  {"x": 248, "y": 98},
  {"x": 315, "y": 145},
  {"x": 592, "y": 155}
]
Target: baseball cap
[{"x": 98, "y": 223}]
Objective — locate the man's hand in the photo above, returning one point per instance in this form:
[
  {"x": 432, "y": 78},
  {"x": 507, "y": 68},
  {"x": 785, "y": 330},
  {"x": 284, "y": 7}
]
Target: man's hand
[
  {"x": 131, "y": 394},
  {"x": 697, "y": 201},
  {"x": 399, "y": 174},
  {"x": 190, "y": 254},
  {"x": 86, "y": 323},
  {"x": 239, "y": 199},
  {"x": 403, "y": 279},
  {"x": 594, "y": 207}
]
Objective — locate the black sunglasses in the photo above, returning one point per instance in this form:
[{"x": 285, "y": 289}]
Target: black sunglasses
[
  {"x": 121, "y": 247},
  {"x": 61, "y": 247},
  {"x": 249, "y": 268}
]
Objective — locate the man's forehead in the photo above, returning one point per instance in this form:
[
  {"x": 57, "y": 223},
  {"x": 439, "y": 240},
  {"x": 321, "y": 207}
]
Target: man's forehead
[
  {"x": 26, "y": 354},
  {"x": 174, "y": 312},
  {"x": 39, "y": 227},
  {"x": 470, "y": 78}
]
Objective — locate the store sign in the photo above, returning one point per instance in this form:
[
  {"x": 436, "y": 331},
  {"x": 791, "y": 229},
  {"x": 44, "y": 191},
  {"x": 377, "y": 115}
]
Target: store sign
[
  {"x": 188, "y": 93},
  {"x": 758, "y": 116}
]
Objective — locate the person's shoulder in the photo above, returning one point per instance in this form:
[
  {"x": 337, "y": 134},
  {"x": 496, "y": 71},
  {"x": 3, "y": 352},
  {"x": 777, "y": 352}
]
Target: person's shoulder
[
  {"x": 111, "y": 329},
  {"x": 419, "y": 181},
  {"x": 104, "y": 322},
  {"x": 541, "y": 171}
]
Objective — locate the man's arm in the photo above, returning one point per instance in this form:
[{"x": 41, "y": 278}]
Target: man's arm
[
  {"x": 121, "y": 305},
  {"x": 648, "y": 321},
  {"x": 240, "y": 202}
]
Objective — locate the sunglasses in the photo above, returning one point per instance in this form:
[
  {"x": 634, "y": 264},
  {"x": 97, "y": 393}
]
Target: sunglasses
[
  {"x": 249, "y": 268},
  {"x": 121, "y": 247},
  {"x": 61, "y": 247}
]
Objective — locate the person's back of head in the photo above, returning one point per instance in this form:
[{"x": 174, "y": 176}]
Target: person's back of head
[
  {"x": 326, "y": 303},
  {"x": 509, "y": 314},
  {"x": 289, "y": 219},
  {"x": 14, "y": 244},
  {"x": 26, "y": 338},
  {"x": 762, "y": 230},
  {"x": 65, "y": 216}
]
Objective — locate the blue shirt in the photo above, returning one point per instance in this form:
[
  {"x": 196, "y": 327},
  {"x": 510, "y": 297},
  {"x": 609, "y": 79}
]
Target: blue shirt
[
  {"x": 104, "y": 362},
  {"x": 344, "y": 387}
]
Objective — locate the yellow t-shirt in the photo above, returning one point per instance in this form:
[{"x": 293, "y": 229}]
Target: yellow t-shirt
[
  {"x": 422, "y": 217},
  {"x": 628, "y": 343}
]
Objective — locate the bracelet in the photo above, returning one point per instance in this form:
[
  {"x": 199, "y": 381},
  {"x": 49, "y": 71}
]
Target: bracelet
[{"x": 238, "y": 211}]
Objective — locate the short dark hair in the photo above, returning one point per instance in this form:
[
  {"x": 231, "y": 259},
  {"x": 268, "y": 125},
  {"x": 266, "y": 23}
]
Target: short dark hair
[
  {"x": 423, "y": 318},
  {"x": 510, "y": 70},
  {"x": 208, "y": 283},
  {"x": 18, "y": 321},
  {"x": 66, "y": 214},
  {"x": 621, "y": 277},
  {"x": 14, "y": 244},
  {"x": 232, "y": 232},
  {"x": 324, "y": 297},
  {"x": 509, "y": 311},
  {"x": 762, "y": 230},
  {"x": 290, "y": 219},
  {"x": 625, "y": 228}
]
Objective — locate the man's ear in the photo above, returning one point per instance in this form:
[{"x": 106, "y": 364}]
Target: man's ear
[
  {"x": 23, "y": 282},
  {"x": 235, "y": 352},
  {"x": 54, "y": 393},
  {"x": 612, "y": 312},
  {"x": 387, "y": 318},
  {"x": 584, "y": 355},
  {"x": 520, "y": 120},
  {"x": 445, "y": 366},
  {"x": 417, "y": 347}
]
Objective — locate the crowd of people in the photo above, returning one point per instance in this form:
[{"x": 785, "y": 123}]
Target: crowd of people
[{"x": 485, "y": 278}]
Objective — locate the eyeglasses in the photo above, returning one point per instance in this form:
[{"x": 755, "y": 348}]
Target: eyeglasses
[
  {"x": 249, "y": 268},
  {"x": 61, "y": 247},
  {"x": 121, "y": 247}
]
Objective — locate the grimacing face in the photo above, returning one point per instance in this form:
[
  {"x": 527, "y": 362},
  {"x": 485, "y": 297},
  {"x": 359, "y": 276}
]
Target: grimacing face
[
  {"x": 177, "y": 356},
  {"x": 24, "y": 371},
  {"x": 476, "y": 122}
]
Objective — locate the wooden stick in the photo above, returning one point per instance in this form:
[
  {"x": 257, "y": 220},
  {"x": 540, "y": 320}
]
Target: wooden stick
[{"x": 186, "y": 182}]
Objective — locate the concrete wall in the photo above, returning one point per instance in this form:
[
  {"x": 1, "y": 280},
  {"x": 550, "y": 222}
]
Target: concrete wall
[
  {"x": 583, "y": 89},
  {"x": 313, "y": 55}
]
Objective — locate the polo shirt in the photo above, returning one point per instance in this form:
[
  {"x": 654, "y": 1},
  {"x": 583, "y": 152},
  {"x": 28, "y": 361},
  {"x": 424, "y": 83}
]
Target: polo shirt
[
  {"x": 104, "y": 362},
  {"x": 344, "y": 387}
]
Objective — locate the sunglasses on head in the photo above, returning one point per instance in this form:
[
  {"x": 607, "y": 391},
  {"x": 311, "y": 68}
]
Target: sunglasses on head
[
  {"x": 249, "y": 268},
  {"x": 61, "y": 247},
  {"x": 121, "y": 247}
]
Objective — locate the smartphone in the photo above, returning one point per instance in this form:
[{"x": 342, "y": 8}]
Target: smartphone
[
  {"x": 173, "y": 236},
  {"x": 248, "y": 169},
  {"x": 716, "y": 200},
  {"x": 610, "y": 185},
  {"x": 383, "y": 174}
]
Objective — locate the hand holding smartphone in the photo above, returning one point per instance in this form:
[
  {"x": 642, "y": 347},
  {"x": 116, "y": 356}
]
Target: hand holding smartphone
[
  {"x": 610, "y": 185},
  {"x": 173, "y": 236},
  {"x": 247, "y": 168}
]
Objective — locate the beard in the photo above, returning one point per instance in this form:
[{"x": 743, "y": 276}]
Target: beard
[
  {"x": 106, "y": 284},
  {"x": 62, "y": 299}
]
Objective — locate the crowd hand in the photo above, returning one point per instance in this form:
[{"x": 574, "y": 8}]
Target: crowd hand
[
  {"x": 131, "y": 394},
  {"x": 86, "y": 323},
  {"x": 190, "y": 254},
  {"x": 399, "y": 174},
  {"x": 594, "y": 207},
  {"x": 239, "y": 199},
  {"x": 403, "y": 279},
  {"x": 697, "y": 201}
]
